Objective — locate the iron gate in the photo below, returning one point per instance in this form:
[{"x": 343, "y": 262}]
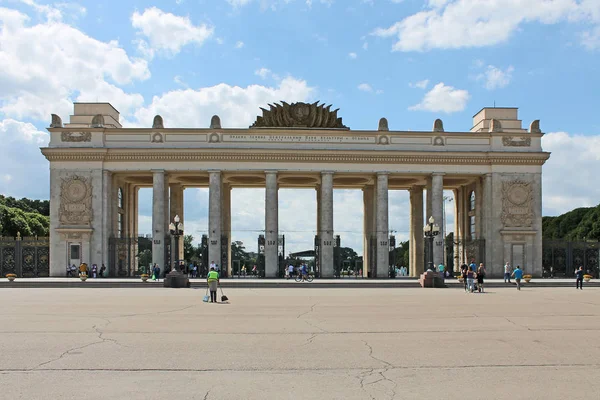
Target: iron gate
[
  {"x": 560, "y": 258},
  {"x": 27, "y": 257},
  {"x": 120, "y": 253}
]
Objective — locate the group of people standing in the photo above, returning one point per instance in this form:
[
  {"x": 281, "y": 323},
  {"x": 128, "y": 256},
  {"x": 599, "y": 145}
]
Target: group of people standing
[{"x": 83, "y": 270}]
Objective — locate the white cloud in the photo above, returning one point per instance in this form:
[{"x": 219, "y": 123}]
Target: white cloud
[
  {"x": 572, "y": 156},
  {"x": 365, "y": 87},
  {"x": 591, "y": 39},
  {"x": 352, "y": 55},
  {"x": 239, "y": 44},
  {"x": 167, "y": 33},
  {"x": 450, "y": 24},
  {"x": 263, "y": 72},
  {"x": 420, "y": 84},
  {"x": 442, "y": 98},
  {"x": 236, "y": 106},
  {"x": 45, "y": 65},
  {"x": 495, "y": 78},
  {"x": 24, "y": 168}
]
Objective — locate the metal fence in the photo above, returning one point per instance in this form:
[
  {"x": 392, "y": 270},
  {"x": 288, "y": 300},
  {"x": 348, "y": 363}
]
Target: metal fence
[
  {"x": 561, "y": 258},
  {"x": 27, "y": 257}
]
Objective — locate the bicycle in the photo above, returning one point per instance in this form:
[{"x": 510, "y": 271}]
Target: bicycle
[{"x": 307, "y": 278}]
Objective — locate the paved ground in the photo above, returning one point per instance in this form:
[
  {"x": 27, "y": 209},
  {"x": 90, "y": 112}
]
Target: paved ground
[{"x": 300, "y": 344}]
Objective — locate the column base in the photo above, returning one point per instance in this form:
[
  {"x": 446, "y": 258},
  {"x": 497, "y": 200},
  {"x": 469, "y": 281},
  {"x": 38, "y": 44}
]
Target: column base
[
  {"x": 431, "y": 280},
  {"x": 176, "y": 279}
]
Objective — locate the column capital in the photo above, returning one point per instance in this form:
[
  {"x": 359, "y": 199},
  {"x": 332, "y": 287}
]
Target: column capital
[
  {"x": 381, "y": 173},
  {"x": 213, "y": 171},
  {"x": 416, "y": 188},
  {"x": 271, "y": 171},
  {"x": 157, "y": 171},
  {"x": 327, "y": 172},
  {"x": 438, "y": 173}
]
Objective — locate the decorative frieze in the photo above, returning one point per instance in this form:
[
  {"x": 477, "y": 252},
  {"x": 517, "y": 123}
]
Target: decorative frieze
[
  {"x": 76, "y": 136},
  {"x": 298, "y": 156},
  {"x": 517, "y": 204}
]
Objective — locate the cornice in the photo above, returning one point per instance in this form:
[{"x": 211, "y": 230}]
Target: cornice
[
  {"x": 293, "y": 131},
  {"x": 167, "y": 155}
]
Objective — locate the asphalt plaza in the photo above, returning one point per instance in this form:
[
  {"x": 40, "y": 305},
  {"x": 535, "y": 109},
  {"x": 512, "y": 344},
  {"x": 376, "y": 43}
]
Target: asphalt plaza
[{"x": 304, "y": 343}]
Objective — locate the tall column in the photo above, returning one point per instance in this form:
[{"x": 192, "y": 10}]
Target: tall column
[
  {"x": 214, "y": 218},
  {"x": 369, "y": 227},
  {"x": 326, "y": 232},
  {"x": 176, "y": 208},
  {"x": 416, "y": 240},
  {"x": 478, "y": 209},
  {"x": 437, "y": 210},
  {"x": 383, "y": 249},
  {"x": 158, "y": 218},
  {"x": 107, "y": 208},
  {"x": 135, "y": 246},
  {"x": 226, "y": 225},
  {"x": 428, "y": 199},
  {"x": 271, "y": 225},
  {"x": 487, "y": 210},
  {"x": 457, "y": 228}
]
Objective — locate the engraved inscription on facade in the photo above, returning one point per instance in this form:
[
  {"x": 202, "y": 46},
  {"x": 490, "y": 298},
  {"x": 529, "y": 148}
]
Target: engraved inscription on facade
[
  {"x": 299, "y": 139},
  {"x": 76, "y": 201},
  {"x": 76, "y": 136},
  {"x": 517, "y": 204}
]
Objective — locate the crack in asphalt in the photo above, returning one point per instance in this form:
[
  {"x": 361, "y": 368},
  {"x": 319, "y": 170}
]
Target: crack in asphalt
[
  {"x": 206, "y": 395},
  {"x": 67, "y": 352},
  {"x": 312, "y": 309}
]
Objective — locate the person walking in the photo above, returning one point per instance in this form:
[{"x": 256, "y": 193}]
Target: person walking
[
  {"x": 470, "y": 279},
  {"x": 213, "y": 280},
  {"x": 579, "y": 281},
  {"x": 518, "y": 274},
  {"x": 156, "y": 272},
  {"x": 290, "y": 271},
  {"x": 463, "y": 271},
  {"x": 507, "y": 271},
  {"x": 480, "y": 276}
]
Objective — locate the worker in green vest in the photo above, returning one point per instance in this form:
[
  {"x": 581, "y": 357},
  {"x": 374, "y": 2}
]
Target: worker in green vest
[{"x": 213, "y": 280}]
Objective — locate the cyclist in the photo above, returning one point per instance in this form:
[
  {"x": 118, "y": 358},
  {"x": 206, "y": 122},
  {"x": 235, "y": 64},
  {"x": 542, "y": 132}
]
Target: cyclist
[{"x": 304, "y": 271}]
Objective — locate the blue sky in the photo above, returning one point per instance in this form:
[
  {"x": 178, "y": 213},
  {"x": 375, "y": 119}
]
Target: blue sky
[{"x": 410, "y": 61}]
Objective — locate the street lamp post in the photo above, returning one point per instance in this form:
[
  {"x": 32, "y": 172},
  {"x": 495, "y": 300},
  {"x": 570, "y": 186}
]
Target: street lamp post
[
  {"x": 175, "y": 278},
  {"x": 176, "y": 229},
  {"x": 431, "y": 231}
]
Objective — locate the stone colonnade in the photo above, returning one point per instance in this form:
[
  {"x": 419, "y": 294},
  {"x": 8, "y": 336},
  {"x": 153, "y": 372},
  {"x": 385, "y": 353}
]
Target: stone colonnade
[{"x": 375, "y": 225}]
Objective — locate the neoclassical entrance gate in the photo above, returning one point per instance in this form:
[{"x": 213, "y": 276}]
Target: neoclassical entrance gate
[
  {"x": 493, "y": 170},
  {"x": 27, "y": 257}
]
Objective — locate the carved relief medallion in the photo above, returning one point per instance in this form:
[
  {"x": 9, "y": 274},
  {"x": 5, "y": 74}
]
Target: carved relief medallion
[
  {"x": 76, "y": 201},
  {"x": 76, "y": 136},
  {"x": 511, "y": 141},
  {"x": 517, "y": 202}
]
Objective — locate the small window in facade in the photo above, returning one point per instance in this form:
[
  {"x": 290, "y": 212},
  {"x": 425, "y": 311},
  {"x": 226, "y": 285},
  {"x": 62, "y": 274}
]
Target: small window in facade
[
  {"x": 472, "y": 223},
  {"x": 120, "y": 226},
  {"x": 472, "y": 201}
]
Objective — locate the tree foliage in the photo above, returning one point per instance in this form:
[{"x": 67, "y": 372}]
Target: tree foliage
[
  {"x": 14, "y": 220},
  {"x": 31, "y": 206},
  {"x": 578, "y": 224}
]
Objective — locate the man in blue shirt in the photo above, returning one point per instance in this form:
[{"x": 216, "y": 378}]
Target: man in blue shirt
[
  {"x": 579, "y": 275},
  {"x": 518, "y": 274}
]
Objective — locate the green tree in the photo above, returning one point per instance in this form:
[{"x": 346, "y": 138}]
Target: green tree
[{"x": 189, "y": 251}]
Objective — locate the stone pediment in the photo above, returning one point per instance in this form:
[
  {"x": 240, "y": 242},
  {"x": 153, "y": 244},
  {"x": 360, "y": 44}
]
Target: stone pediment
[{"x": 299, "y": 115}]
